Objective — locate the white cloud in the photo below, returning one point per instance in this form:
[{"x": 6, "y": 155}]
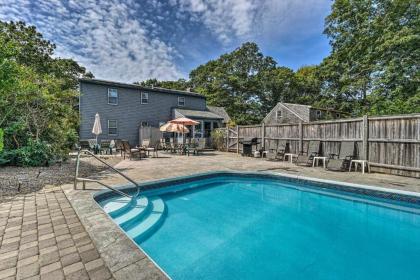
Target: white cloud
[
  {"x": 233, "y": 20},
  {"x": 227, "y": 19},
  {"x": 104, "y": 36}
]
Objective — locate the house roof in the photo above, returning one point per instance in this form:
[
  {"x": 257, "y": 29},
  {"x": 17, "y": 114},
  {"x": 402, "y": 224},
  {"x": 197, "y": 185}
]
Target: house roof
[
  {"x": 220, "y": 111},
  {"x": 134, "y": 86},
  {"x": 294, "y": 109},
  {"x": 196, "y": 114}
]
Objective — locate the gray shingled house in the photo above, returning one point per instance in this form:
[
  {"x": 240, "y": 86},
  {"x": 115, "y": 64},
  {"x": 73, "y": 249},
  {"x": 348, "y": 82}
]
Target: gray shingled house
[
  {"x": 124, "y": 108},
  {"x": 294, "y": 113}
]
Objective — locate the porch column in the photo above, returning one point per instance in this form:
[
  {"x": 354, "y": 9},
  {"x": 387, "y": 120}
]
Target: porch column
[{"x": 202, "y": 129}]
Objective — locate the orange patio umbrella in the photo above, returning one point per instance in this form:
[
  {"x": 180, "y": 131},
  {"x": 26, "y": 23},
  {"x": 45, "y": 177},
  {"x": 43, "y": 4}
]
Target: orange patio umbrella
[
  {"x": 184, "y": 121},
  {"x": 174, "y": 127}
]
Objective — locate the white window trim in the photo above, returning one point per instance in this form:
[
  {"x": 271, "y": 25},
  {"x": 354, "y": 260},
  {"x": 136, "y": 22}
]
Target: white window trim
[
  {"x": 147, "y": 97},
  {"x": 109, "y": 90},
  {"x": 116, "y": 127},
  {"x": 179, "y": 97}
]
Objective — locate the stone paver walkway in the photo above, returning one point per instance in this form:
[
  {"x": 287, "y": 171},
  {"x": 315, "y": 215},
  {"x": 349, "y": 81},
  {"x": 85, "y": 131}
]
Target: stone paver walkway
[{"x": 42, "y": 238}]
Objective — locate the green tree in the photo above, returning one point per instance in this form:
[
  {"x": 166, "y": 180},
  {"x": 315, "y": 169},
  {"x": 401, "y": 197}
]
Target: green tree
[
  {"x": 34, "y": 51},
  {"x": 278, "y": 85},
  {"x": 234, "y": 82},
  {"x": 38, "y": 97},
  {"x": 373, "y": 66}
]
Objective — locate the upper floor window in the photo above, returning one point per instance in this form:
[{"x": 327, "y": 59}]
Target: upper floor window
[
  {"x": 144, "y": 98},
  {"x": 318, "y": 114},
  {"x": 112, "y": 96},
  {"x": 112, "y": 127},
  {"x": 278, "y": 115},
  {"x": 144, "y": 124},
  {"x": 337, "y": 115},
  {"x": 181, "y": 101}
]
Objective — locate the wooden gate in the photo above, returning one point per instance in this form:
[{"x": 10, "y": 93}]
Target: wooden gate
[{"x": 232, "y": 139}]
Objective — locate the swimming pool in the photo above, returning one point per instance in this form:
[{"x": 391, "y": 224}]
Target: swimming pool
[{"x": 259, "y": 226}]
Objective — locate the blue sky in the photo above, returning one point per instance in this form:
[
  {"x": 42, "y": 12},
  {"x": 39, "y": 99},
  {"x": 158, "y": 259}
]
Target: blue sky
[{"x": 133, "y": 40}]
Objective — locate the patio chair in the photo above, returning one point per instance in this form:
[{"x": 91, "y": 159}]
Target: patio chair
[
  {"x": 132, "y": 152},
  {"x": 85, "y": 145},
  {"x": 306, "y": 158},
  {"x": 199, "y": 147},
  {"x": 119, "y": 146},
  {"x": 173, "y": 147},
  {"x": 106, "y": 147},
  {"x": 341, "y": 162},
  {"x": 277, "y": 153},
  {"x": 150, "y": 147},
  {"x": 164, "y": 144}
]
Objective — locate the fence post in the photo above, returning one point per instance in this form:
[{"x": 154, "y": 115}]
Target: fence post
[
  {"x": 237, "y": 138},
  {"x": 227, "y": 138},
  {"x": 262, "y": 136},
  {"x": 300, "y": 137},
  {"x": 365, "y": 137}
]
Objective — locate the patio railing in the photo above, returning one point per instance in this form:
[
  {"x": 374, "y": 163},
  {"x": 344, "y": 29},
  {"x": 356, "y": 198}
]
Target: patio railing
[{"x": 84, "y": 180}]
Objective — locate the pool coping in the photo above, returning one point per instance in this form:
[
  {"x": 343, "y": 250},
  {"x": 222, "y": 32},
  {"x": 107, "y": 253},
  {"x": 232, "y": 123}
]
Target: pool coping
[{"x": 117, "y": 248}]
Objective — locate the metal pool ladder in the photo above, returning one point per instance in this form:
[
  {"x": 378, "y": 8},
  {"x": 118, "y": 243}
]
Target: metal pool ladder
[{"x": 84, "y": 180}]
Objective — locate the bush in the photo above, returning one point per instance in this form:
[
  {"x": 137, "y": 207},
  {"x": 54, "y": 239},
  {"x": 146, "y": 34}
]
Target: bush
[
  {"x": 218, "y": 141},
  {"x": 36, "y": 153}
]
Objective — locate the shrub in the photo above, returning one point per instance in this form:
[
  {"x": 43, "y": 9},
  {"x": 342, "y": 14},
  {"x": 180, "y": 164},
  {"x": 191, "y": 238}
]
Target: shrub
[
  {"x": 35, "y": 153},
  {"x": 218, "y": 141}
]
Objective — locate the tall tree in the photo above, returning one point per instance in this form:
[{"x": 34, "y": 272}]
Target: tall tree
[
  {"x": 278, "y": 85},
  {"x": 38, "y": 96},
  {"x": 233, "y": 81},
  {"x": 374, "y": 63},
  {"x": 34, "y": 51}
]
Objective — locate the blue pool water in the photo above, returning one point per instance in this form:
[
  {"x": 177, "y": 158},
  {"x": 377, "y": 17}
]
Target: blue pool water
[{"x": 254, "y": 228}]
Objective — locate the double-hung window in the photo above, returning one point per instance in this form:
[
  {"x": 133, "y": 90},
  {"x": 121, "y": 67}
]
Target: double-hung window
[
  {"x": 181, "y": 101},
  {"x": 112, "y": 96},
  {"x": 112, "y": 127},
  {"x": 144, "y": 98}
]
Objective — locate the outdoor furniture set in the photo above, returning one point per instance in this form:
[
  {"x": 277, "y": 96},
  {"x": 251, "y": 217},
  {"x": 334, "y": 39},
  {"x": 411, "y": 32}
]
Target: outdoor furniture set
[{"x": 343, "y": 161}]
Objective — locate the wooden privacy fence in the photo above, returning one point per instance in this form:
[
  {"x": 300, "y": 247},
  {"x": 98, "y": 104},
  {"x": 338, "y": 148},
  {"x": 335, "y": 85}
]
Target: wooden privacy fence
[{"x": 390, "y": 143}]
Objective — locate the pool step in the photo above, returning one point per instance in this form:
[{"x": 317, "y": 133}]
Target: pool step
[
  {"x": 135, "y": 211},
  {"x": 149, "y": 223},
  {"x": 115, "y": 207}
]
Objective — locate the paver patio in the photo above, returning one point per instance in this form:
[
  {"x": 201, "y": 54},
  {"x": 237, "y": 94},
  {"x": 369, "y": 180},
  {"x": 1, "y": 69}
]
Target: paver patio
[
  {"x": 42, "y": 238},
  {"x": 53, "y": 234}
]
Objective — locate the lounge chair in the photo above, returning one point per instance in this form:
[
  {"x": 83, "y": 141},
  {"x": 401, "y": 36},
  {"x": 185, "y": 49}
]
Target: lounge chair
[
  {"x": 132, "y": 152},
  {"x": 341, "y": 162},
  {"x": 306, "y": 158},
  {"x": 277, "y": 153}
]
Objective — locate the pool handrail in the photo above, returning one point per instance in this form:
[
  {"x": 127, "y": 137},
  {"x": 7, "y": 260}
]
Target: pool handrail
[{"x": 84, "y": 180}]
